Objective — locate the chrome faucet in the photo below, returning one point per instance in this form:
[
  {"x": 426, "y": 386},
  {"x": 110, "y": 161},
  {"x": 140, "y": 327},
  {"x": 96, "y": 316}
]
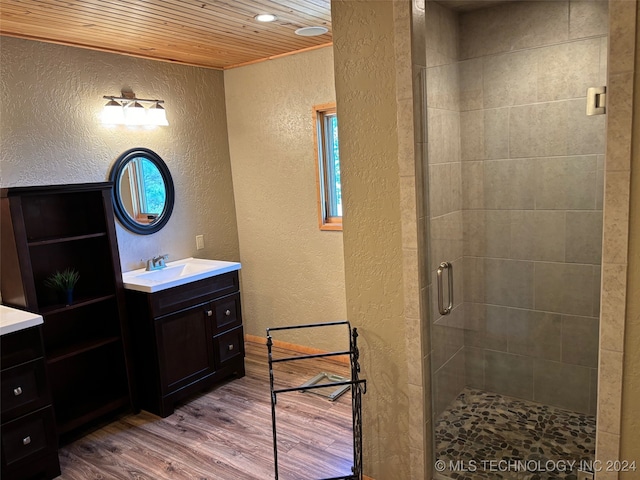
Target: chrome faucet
[{"x": 157, "y": 263}]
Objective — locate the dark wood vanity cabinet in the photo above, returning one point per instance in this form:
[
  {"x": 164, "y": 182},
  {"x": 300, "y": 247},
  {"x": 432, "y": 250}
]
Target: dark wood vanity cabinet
[
  {"x": 52, "y": 228},
  {"x": 185, "y": 339},
  {"x": 29, "y": 437}
]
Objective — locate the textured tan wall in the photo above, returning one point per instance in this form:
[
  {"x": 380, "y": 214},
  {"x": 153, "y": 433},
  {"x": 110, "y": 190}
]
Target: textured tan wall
[
  {"x": 630, "y": 429},
  {"x": 51, "y": 99},
  {"x": 293, "y": 273},
  {"x": 365, "y": 72}
]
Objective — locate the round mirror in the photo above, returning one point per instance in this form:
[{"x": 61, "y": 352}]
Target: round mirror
[{"x": 143, "y": 192}]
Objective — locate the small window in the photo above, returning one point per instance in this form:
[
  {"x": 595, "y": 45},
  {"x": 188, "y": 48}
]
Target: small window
[{"x": 328, "y": 167}]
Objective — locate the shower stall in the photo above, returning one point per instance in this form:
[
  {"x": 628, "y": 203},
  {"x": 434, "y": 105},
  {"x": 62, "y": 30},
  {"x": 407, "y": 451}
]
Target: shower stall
[{"x": 513, "y": 171}]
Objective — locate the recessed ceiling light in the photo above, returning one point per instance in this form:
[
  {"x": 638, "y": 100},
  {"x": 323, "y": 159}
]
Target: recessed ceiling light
[
  {"x": 311, "y": 31},
  {"x": 265, "y": 17}
]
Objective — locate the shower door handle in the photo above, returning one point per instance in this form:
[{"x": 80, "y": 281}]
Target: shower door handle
[{"x": 449, "y": 268}]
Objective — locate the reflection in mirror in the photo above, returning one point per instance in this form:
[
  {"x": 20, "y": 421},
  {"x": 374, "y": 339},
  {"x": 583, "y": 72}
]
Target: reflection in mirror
[{"x": 142, "y": 191}]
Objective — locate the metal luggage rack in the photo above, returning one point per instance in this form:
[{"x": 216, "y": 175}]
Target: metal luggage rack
[{"x": 358, "y": 388}]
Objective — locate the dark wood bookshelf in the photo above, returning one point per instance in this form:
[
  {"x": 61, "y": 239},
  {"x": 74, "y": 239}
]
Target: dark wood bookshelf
[
  {"x": 78, "y": 349},
  {"x": 81, "y": 303},
  {"x": 74, "y": 238},
  {"x": 90, "y": 410},
  {"x": 86, "y": 343}
]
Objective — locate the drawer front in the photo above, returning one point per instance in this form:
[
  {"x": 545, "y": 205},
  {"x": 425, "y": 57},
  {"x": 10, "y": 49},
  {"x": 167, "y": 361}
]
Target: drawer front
[
  {"x": 227, "y": 313},
  {"x": 228, "y": 346},
  {"x": 24, "y": 388},
  {"x": 29, "y": 436},
  {"x": 21, "y": 346},
  {"x": 178, "y": 298}
]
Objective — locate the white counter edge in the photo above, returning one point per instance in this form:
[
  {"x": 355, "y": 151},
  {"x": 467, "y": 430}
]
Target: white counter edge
[{"x": 14, "y": 320}]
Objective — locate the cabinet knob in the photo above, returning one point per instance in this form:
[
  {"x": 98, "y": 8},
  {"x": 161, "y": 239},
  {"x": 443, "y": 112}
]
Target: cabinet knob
[
  {"x": 17, "y": 391},
  {"x": 227, "y": 313},
  {"x": 209, "y": 313},
  {"x": 231, "y": 347},
  {"x": 26, "y": 440}
]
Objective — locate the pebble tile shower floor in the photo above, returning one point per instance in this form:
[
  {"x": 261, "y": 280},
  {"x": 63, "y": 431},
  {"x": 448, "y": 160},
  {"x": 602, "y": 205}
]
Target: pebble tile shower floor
[{"x": 480, "y": 427}]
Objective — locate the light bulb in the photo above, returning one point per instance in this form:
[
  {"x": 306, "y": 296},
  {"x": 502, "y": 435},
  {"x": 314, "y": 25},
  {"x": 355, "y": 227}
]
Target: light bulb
[
  {"x": 134, "y": 114},
  {"x": 112, "y": 113},
  {"x": 157, "y": 115},
  {"x": 265, "y": 17}
]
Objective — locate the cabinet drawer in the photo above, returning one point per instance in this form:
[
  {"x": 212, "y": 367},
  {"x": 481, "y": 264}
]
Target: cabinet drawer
[
  {"x": 227, "y": 313},
  {"x": 228, "y": 346},
  {"x": 32, "y": 435},
  {"x": 24, "y": 388},
  {"x": 21, "y": 346},
  {"x": 205, "y": 290}
]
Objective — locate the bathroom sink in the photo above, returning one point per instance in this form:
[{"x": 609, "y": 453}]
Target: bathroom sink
[{"x": 179, "y": 272}]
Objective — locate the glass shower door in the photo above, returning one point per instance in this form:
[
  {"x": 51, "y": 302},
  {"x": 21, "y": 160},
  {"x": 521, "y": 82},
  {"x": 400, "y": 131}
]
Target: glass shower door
[{"x": 515, "y": 181}]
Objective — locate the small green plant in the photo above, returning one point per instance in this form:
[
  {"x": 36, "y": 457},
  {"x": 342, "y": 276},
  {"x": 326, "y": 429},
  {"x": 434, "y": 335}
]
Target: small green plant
[{"x": 63, "y": 281}]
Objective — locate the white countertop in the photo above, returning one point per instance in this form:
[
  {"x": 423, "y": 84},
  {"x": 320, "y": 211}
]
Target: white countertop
[
  {"x": 179, "y": 272},
  {"x": 12, "y": 319}
]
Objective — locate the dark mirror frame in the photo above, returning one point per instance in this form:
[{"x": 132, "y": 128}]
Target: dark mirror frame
[{"x": 121, "y": 213}]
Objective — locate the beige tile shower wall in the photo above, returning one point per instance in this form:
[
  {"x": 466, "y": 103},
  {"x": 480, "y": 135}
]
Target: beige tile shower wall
[
  {"x": 630, "y": 381},
  {"x": 419, "y": 169},
  {"x": 532, "y": 183},
  {"x": 409, "y": 31},
  {"x": 617, "y": 435},
  {"x": 293, "y": 273},
  {"x": 50, "y": 105},
  {"x": 445, "y": 217}
]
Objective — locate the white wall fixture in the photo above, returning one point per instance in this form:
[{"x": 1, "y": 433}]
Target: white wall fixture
[{"x": 129, "y": 110}]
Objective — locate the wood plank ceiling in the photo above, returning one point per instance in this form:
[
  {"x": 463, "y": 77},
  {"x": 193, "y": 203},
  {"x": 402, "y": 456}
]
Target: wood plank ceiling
[{"x": 207, "y": 33}]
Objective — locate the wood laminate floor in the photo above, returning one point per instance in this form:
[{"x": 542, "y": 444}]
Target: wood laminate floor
[{"x": 226, "y": 433}]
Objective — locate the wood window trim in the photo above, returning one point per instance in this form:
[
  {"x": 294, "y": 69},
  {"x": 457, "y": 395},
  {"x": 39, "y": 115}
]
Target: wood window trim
[{"x": 325, "y": 222}]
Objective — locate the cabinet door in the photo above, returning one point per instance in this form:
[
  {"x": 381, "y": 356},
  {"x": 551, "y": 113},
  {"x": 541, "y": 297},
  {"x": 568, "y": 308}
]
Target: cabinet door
[{"x": 184, "y": 349}]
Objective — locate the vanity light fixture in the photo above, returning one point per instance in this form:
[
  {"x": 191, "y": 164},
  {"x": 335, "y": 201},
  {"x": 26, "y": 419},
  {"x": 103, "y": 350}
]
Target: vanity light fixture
[
  {"x": 129, "y": 110},
  {"x": 265, "y": 17}
]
